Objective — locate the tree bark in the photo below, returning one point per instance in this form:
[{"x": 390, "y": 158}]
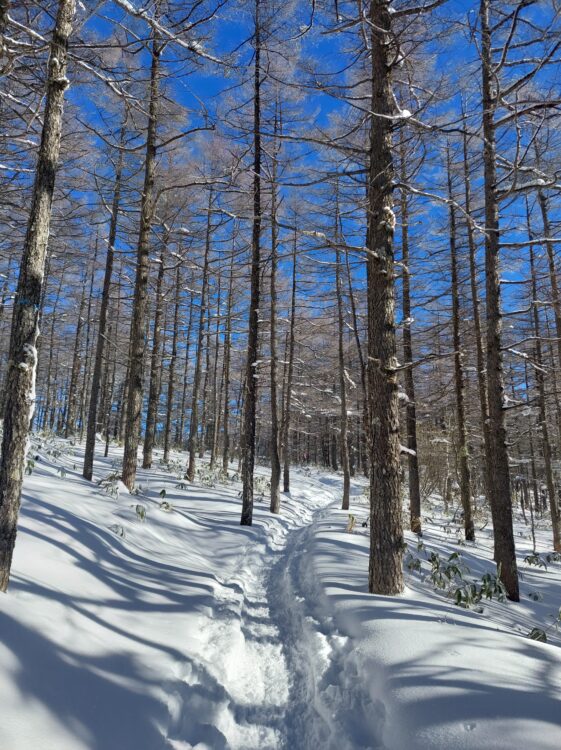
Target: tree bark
[
  {"x": 226, "y": 375},
  {"x": 408, "y": 377},
  {"x": 140, "y": 302},
  {"x": 194, "y": 421},
  {"x": 154, "y": 389},
  {"x": 173, "y": 359},
  {"x": 91, "y": 430},
  {"x": 480, "y": 354},
  {"x": 20, "y": 385},
  {"x": 274, "y": 452},
  {"x": 459, "y": 376},
  {"x": 250, "y": 400},
  {"x": 540, "y": 381},
  {"x": 386, "y": 532},
  {"x": 286, "y": 436},
  {"x": 500, "y": 500}
]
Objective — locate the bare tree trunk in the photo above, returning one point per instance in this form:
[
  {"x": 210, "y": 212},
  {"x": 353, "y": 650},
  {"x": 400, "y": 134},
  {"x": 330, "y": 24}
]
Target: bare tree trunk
[
  {"x": 408, "y": 378},
  {"x": 386, "y": 532},
  {"x": 216, "y": 390},
  {"x": 203, "y": 432},
  {"x": 173, "y": 358},
  {"x": 180, "y": 432},
  {"x": 91, "y": 430},
  {"x": 250, "y": 400},
  {"x": 540, "y": 381},
  {"x": 501, "y": 503},
  {"x": 140, "y": 303},
  {"x": 480, "y": 354},
  {"x": 459, "y": 377},
  {"x": 226, "y": 364},
  {"x": 275, "y": 454},
  {"x": 344, "y": 440},
  {"x": 155, "y": 366},
  {"x": 49, "y": 378},
  {"x": 20, "y": 384},
  {"x": 75, "y": 372},
  {"x": 194, "y": 422},
  {"x": 286, "y": 437},
  {"x": 87, "y": 358}
]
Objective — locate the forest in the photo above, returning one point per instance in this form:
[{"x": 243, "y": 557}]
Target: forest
[{"x": 280, "y": 374}]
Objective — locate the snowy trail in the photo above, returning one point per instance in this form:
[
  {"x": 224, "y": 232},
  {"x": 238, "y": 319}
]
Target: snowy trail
[
  {"x": 282, "y": 667},
  {"x": 250, "y": 648}
]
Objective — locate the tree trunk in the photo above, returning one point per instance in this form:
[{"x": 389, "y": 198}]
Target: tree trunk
[
  {"x": 540, "y": 381},
  {"x": 344, "y": 440},
  {"x": 274, "y": 452},
  {"x": 22, "y": 364},
  {"x": 194, "y": 421},
  {"x": 459, "y": 376},
  {"x": 140, "y": 302},
  {"x": 180, "y": 432},
  {"x": 173, "y": 358},
  {"x": 501, "y": 503},
  {"x": 286, "y": 436},
  {"x": 386, "y": 533},
  {"x": 75, "y": 372},
  {"x": 105, "y": 294},
  {"x": 226, "y": 376},
  {"x": 250, "y": 400},
  {"x": 480, "y": 354},
  {"x": 408, "y": 378},
  {"x": 155, "y": 366}
]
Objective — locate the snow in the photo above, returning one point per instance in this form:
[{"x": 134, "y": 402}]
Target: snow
[{"x": 184, "y": 629}]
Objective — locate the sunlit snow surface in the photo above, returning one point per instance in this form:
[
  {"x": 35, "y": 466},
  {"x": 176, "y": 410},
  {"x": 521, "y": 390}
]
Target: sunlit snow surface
[{"x": 186, "y": 630}]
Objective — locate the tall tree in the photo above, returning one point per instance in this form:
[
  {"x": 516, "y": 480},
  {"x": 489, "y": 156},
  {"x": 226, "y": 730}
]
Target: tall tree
[
  {"x": 20, "y": 382},
  {"x": 140, "y": 301},
  {"x": 250, "y": 395},
  {"x": 386, "y": 532}
]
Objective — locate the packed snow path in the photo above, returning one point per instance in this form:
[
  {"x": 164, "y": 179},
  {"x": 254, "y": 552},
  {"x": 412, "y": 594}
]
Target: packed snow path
[{"x": 273, "y": 656}]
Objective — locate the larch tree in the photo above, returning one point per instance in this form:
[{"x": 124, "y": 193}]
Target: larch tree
[{"x": 20, "y": 379}]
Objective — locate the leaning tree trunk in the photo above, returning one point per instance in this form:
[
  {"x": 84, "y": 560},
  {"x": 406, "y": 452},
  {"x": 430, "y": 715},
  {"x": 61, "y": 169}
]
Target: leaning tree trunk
[
  {"x": 20, "y": 383},
  {"x": 386, "y": 532},
  {"x": 408, "y": 378},
  {"x": 102, "y": 326},
  {"x": 140, "y": 301},
  {"x": 250, "y": 400},
  {"x": 500, "y": 500},
  {"x": 459, "y": 377}
]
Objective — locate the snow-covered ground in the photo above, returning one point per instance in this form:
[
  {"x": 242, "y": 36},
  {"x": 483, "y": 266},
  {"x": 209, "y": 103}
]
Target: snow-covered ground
[{"x": 155, "y": 621}]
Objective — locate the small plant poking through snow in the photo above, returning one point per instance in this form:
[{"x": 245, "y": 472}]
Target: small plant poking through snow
[
  {"x": 537, "y": 634},
  {"x": 110, "y": 484},
  {"x": 449, "y": 575},
  {"x": 536, "y": 560},
  {"x": 141, "y": 512}
]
